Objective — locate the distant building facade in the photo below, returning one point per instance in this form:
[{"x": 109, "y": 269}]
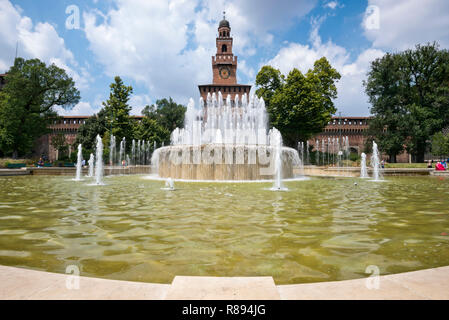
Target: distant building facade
[{"x": 68, "y": 126}]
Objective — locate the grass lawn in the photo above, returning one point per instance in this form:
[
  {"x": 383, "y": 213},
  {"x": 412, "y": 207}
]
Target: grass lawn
[
  {"x": 4, "y": 161},
  {"x": 406, "y": 165}
]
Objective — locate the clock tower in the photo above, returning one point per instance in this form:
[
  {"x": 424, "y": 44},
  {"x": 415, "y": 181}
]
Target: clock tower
[{"x": 224, "y": 67}]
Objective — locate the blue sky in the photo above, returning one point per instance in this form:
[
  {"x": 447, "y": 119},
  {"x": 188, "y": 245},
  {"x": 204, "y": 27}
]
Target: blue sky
[{"x": 163, "y": 48}]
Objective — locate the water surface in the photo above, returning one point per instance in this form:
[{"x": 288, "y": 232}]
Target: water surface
[{"x": 320, "y": 230}]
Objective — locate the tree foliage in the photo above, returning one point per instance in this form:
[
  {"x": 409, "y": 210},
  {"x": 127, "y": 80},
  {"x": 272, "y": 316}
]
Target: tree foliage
[
  {"x": 117, "y": 109},
  {"x": 87, "y": 132},
  {"x": 26, "y": 103},
  {"x": 409, "y": 94},
  {"x": 156, "y": 126},
  {"x": 299, "y": 105},
  {"x": 167, "y": 113},
  {"x": 160, "y": 120},
  {"x": 151, "y": 130},
  {"x": 59, "y": 143},
  {"x": 440, "y": 144}
]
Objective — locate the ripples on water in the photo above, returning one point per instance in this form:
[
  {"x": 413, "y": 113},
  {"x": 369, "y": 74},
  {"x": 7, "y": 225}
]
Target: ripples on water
[{"x": 320, "y": 230}]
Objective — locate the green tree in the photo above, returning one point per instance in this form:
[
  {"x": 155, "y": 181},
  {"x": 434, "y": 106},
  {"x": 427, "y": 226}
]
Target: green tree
[
  {"x": 167, "y": 113},
  {"x": 151, "y": 130},
  {"x": 389, "y": 124},
  {"x": 409, "y": 94},
  {"x": 440, "y": 144},
  {"x": 87, "y": 132},
  {"x": 269, "y": 80},
  {"x": 59, "y": 143},
  {"x": 299, "y": 105},
  {"x": 117, "y": 110},
  {"x": 26, "y": 103}
]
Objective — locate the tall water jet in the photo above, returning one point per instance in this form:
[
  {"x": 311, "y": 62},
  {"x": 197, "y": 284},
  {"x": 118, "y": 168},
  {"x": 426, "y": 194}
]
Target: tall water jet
[
  {"x": 91, "y": 166},
  {"x": 133, "y": 152},
  {"x": 363, "y": 169},
  {"x": 307, "y": 152},
  {"x": 99, "y": 162},
  {"x": 79, "y": 163},
  {"x": 276, "y": 143},
  {"x": 112, "y": 151},
  {"x": 122, "y": 150},
  {"x": 138, "y": 153},
  {"x": 323, "y": 151},
  {"x": 375, "y": 163}
]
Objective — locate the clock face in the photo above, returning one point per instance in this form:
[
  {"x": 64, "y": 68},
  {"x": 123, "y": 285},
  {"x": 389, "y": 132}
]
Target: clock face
[{"x": 224, "y": 72}]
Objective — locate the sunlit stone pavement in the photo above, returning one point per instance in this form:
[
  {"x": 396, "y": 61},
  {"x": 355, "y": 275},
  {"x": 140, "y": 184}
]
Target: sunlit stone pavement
[{"x": 16, "y": 283}]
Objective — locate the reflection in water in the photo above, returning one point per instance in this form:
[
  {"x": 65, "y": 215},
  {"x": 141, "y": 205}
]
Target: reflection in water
[{"x": 319, "y": 230}]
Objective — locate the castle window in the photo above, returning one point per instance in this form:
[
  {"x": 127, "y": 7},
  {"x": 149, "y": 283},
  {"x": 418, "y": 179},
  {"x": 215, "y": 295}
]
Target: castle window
[{"x": 224, "y": 48}]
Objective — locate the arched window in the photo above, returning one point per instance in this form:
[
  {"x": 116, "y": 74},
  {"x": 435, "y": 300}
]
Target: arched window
[{"x": 224, "y": 48}]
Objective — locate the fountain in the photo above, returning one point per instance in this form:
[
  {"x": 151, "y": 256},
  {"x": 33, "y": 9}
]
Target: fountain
[
  {"x": 122, "y": 150},
  {"x": 276, "y": 142},
  {"x": 363, "y": 169},
  {"x": 226, "y": 140},
  {"x": 307, "y": 151},
  {"x": 79, "y": 163},
  {"x": 375, "y": 163},
  {"x": 112, "y": 151},
  {"x": 91, "y": 166},
  {"x": 133, "y": 153},
  {"x": 99, "y": 162},
  {"x": 169, "y": 184}
]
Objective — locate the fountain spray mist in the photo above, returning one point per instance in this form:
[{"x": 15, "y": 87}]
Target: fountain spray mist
[
  {"x": 99, "y": 163},
  {"x": 276, "y": 143},
  {"x": 375, "y": 163},
  {"x": 112, "y": 151},
  {"x": 79, "y": 163},
  {"x": 363, "y": 169},
  {"x": 91, "y": 165}
]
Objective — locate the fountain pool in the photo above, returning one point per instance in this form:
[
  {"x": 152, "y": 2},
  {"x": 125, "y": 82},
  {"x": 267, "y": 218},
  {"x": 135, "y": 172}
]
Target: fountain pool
[{"x": 322, "y": 229}]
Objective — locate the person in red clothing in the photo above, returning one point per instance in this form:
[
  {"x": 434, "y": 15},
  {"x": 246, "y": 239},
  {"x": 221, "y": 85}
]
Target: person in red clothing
[{"x": 439, "y": 167}]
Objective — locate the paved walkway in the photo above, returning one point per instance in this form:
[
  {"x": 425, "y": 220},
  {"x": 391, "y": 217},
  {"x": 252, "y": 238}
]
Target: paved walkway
[{"x": 16, "y": 283}]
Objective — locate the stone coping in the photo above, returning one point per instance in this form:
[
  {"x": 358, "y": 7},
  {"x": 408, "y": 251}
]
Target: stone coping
[{"x": 24, "y": 284}]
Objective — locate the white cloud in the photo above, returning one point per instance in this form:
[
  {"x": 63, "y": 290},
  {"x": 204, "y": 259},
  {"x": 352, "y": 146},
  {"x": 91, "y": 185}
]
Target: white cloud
[
  {"x": 167, "y": 45},
  {"x": 81, "y": 109},
  {"x": 34, "y": 41},
  {"x": 331, "y": 5},
  {"x": 351, "y": 97},
  {"x": 138, "y": 103},
  {"x": 405, "y": 23},
  {"x": 246, "y": 70}
]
